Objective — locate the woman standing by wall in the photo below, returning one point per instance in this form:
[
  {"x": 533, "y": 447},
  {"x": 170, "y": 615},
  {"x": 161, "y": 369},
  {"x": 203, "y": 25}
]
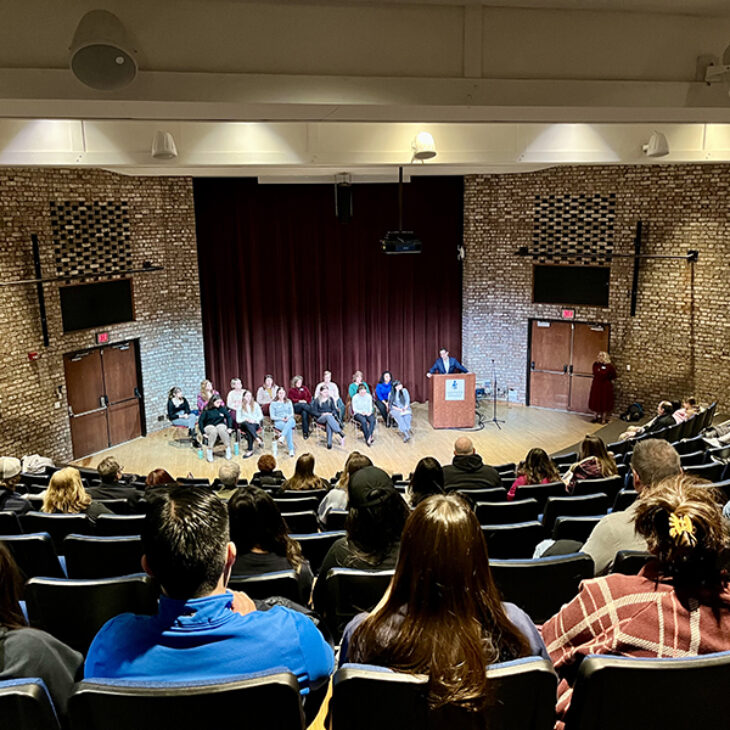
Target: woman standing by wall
[{"x": 600, "y": 399}]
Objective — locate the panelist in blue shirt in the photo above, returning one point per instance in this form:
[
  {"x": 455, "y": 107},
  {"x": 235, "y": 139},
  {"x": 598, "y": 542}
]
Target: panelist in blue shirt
[
  {"x": 446, "y": 365},
  {"x": 202, "y": 631}
]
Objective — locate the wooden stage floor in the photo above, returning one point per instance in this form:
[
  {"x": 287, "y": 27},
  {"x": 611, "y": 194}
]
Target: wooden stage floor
[{"x": 524, "y": 428}]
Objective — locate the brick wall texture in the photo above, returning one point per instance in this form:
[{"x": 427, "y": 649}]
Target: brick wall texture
[
  {"x": 167, "y": 303},
  {"x": 679, "y": 341}
]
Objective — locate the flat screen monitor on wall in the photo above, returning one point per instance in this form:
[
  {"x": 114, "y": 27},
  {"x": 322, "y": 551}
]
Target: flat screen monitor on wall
[
  {"x": 586, "y": 285},
  {"x": 85, "y": 306}
]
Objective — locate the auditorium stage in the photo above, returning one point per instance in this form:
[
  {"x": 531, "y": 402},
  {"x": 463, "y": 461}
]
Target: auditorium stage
[{"x": 524, "y": 428}]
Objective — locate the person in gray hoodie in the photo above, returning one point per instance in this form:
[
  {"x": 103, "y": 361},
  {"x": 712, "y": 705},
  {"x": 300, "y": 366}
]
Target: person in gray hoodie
[{"x": 467, "y": 470}]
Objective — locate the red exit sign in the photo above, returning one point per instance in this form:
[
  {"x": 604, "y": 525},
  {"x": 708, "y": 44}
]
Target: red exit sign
[
  {"x": 102, "y": 338},
  {"x": 568, "y": 313}
]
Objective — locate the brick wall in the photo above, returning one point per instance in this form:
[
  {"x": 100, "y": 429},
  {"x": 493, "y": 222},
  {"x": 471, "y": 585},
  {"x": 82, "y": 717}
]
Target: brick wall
[
  {"x": 167, "y": 304},
  {"x": 679, "y": 341}
]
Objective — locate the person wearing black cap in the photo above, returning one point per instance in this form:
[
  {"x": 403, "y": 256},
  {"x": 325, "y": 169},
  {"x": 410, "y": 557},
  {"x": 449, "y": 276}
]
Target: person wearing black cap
[{"x": 377, "y": 513}]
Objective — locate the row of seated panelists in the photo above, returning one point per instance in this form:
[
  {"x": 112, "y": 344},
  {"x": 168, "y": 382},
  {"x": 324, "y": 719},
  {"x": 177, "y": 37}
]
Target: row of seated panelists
[
  {"x": 541, "y": 586},
  {"x": 522, "y": 697}
]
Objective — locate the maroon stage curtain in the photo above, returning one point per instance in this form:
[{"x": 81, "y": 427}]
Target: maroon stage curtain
[{"x": 287, "y": 289}]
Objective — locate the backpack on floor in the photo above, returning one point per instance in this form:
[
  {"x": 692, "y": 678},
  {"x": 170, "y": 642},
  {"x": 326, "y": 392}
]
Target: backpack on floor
[{"x": 633, "y": 413}]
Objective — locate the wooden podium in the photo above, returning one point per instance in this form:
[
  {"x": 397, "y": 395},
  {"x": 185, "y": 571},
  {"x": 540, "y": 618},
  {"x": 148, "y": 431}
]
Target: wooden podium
[{"x": 452, "y": 400}]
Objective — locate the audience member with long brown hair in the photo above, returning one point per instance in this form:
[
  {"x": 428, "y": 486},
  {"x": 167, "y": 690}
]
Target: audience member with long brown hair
[
  {"x": 66, "y": 494},
  {"x": 260, "y": 535},
  {"x": 594, "y": 462},
  {"x": 304, "y": 477},
  {"x": 677, "y": 606},
  {"x": 537, "y": 468},
  {"x": 29, "y": 652},
  {"x": 442, "y": 614},
  {"x": 337, "y": 498}
]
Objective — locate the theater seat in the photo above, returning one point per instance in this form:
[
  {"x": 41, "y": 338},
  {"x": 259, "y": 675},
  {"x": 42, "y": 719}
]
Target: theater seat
[
  {"x": 541, "y": 492},
  {"x": 616, "y": 693},
  {"x": 56, "y": 525},
  {"x": 318, "y": 494},
  {"x": 522, "y": 697},
  {"x": 493, "y": 494},
  {"x": 279, "y": 583},
  {"x": 624, "y": 499},
  {"x": 590, "y": 504},
  {"x": 541, "y": 586},
  {"x": 73, "y": 610},
  {"x": 630, "y": 562},
  {"x": 712, "y": 472},
  {"x": 501, "y": 513},
  {"x": 102, "y": 557},
  {"x": 315, "y": 546},
  {"x": 26, "y": 705},
  {"x": 34, "y": 555},
  {"x": 517, "y": 540},
  {"x": 610, "y": 486},
  {"x": 349, "y": 592},
  {"x": 301, "y": 521},
  {"x": 575, "y": 528},
  {"x": 10, "y": 524},
  {"x": 111, "y": 525},
  {"x": 268, "y": 700},
  {"x": 301, "y": 504},
  {"x": 336, "y": 519}
]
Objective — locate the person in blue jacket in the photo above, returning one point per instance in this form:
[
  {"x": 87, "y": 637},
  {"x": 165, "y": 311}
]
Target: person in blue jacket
[
  {"x": 382, "y": 395},
  {"x": 202, "y": 630},
  {"x": 446, "y": 365}
]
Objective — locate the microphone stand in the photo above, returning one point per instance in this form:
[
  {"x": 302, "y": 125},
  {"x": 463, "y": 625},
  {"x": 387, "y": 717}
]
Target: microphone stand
[{"x": 496, "y": 421}]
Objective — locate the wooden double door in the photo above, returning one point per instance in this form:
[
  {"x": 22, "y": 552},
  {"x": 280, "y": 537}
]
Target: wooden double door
[
  {"x": 561, "y": 362},
  {"x": 104, "y": 397}
]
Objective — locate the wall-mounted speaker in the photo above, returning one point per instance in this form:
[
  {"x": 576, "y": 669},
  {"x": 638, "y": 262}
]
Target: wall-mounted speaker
[
  {"x": 343, "y": 202},
  {"x": 101, "y": 54}
]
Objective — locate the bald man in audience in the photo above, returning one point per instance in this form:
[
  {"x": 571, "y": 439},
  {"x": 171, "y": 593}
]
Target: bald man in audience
[
  {"x": 652, "y": 461},
  {"x": 467, "y": 470}
]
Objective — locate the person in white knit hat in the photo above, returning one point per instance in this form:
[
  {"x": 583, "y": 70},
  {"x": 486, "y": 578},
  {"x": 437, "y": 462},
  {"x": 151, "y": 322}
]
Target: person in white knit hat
[{"x": 9, "y": 478}]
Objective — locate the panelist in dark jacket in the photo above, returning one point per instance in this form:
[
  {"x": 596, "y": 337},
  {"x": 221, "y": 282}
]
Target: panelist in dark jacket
[
  {"x": 467, "y": 470},
  {"x": 446, "y": 365}
]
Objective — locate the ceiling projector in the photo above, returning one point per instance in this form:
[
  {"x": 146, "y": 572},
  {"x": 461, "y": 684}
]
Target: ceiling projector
[{"x": 397, "y": 242}]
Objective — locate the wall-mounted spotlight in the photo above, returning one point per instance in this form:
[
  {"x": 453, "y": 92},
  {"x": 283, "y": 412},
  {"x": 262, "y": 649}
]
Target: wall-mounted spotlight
[
  {"x": 163, "y": 146},
  {"x": 657, "y": 146},
  {"x": 423, "y": 147},
  {"x": 102, "y": 56}
]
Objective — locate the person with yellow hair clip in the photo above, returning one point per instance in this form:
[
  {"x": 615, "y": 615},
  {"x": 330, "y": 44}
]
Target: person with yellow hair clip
[{"x": 677, "y": 606}]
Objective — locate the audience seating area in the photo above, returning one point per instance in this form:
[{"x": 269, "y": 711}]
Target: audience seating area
[{"x": 79, "y": 575}]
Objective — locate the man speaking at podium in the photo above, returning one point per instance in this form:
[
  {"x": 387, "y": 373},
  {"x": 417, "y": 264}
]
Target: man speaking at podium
[{"x": 446, "y": 365}]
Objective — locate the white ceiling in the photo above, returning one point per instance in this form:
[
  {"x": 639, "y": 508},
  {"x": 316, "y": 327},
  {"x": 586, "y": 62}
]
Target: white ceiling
[{"x": 504, "y": 85}]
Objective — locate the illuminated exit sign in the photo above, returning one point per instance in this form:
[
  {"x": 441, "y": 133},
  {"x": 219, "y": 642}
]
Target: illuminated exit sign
[{"x": 568, "y": 313}]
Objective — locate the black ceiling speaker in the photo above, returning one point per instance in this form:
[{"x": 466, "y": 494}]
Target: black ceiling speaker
[{"x": 102, "y": 56}]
